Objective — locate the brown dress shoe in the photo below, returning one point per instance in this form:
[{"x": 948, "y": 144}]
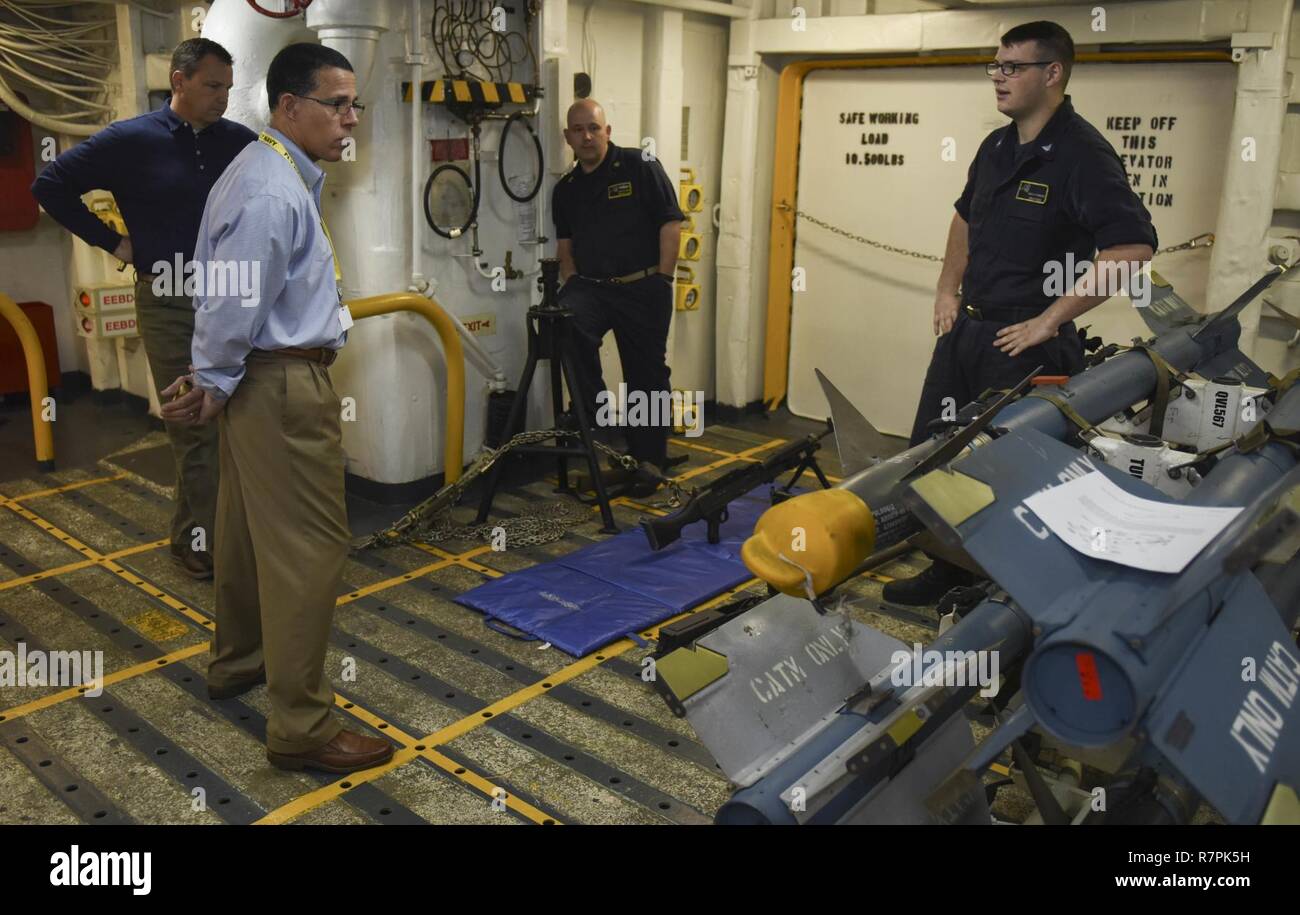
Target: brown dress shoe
[
  {"x": 196, "y": 565},
  {"x": 347, "y": 752}
]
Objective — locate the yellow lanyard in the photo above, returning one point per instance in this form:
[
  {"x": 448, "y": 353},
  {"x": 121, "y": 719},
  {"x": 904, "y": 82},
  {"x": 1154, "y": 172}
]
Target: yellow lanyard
[{"x": 279, "y": 147}]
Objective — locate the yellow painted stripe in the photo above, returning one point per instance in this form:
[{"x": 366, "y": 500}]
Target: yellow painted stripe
[
  {"x": 517, "y": 94},
  {"x": 486, "y": 787},
  {"x": 438, "y": 91},
  {"x": 40, "y": 494},
  {"x": 743, "y": 455},
  {"x": 706, "y": 448},
  {"x": 401, "y": 756},
  {"x": 135, "y": 670},
  {"x": 490, "y": 93},
  {"x": 131, "y": 578},
  {"x": 327, "y": 793},
  {"x": 696, "y": 446},
  {"x": 51, "y": 529},
  {"x": 639, "y": 506},
  {"x": 408, "y": 742},
  {"x": 390, "y": 582},
  {"x": 82, "y": 564},
  {"x": 460, "y": 88},
  {"x": 999, "y": 769},
  {"x": 148, "y": 587}
]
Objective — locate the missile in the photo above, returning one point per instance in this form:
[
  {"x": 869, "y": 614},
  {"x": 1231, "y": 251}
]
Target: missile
[{"x": 838, "y": 528}]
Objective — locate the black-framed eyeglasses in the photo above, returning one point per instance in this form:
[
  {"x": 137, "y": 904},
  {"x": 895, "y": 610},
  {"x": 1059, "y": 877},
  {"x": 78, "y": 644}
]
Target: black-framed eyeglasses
[
  {"x": 340, "y": 106},
  {"x": 1012, "y": 67}
]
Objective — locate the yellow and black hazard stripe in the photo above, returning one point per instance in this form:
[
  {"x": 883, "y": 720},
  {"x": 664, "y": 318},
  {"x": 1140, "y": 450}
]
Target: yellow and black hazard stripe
[{"x": 471, "y": 92}]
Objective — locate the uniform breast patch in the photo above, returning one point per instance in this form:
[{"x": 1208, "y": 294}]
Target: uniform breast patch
[
  {"x": 622, "y": 189},
  {"x": 1032, "y": 192}
]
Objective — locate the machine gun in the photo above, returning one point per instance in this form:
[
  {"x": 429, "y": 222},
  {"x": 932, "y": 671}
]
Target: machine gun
[{"x": 709, "y": 504}]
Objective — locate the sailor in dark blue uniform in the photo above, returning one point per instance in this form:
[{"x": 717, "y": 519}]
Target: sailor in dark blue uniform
[
  {"x": 1043, "y": 194},
  {"x": 618, "y": 227}
]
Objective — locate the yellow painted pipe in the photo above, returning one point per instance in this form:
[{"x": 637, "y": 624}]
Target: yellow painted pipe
[
  {"x": 454, "y": 448},
  {"x": 37, "y": 383},
  {"x": 785, "y": 179}
]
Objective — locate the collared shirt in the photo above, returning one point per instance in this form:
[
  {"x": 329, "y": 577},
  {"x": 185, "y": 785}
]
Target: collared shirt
[
  {"x": 613, "y": 213},
  {"x": 158, "y": 169},
  {"x": 1030, "y": 205},
  {"x": 263, "y": 218}
]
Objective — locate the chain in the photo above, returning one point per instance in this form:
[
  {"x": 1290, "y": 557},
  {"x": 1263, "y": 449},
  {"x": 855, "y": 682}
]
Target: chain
[
  {"x": 861, "y": 239},
  {"x": 1204, "y": 240},
  {"x": 543, "y": 522}
]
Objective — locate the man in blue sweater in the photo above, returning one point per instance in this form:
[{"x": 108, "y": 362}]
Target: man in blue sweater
[{"x": 159, "y": 168}]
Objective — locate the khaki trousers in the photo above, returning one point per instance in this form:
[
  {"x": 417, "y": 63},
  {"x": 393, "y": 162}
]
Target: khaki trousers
[
  {"x": 282, "y": 539},
  {"x": 167, "y": 329}
]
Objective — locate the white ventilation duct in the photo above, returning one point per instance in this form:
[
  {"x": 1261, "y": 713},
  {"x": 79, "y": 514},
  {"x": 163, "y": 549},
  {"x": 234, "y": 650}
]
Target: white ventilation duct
[{"x": 351, "y": 27}]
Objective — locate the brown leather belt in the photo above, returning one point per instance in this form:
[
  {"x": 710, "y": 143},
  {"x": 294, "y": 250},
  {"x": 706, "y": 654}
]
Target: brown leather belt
[
  {"x": 319, "y": 354},
  {"x": 631, "y": 277}
]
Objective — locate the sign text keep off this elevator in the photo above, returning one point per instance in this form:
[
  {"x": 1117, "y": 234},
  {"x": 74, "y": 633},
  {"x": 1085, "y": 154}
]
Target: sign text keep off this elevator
[{"x": 1143, "y": 142}]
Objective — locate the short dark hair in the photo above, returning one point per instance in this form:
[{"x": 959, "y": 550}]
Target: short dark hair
[
  {"x": 1054, "y": 42},
  {"x": 294, "y": 70},
  {"x": 189, "y": 52}
]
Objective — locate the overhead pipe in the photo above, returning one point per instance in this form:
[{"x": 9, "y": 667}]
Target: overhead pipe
[
  {"x": 37, "y": 384},
  {"x": 415, "y": 57},
  {"x": 351, "y": 27},
  {"x": 707, "y": 7}
]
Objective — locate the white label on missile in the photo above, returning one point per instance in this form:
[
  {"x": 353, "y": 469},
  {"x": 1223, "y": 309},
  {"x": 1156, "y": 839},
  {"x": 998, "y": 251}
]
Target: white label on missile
[
  {"x": 1259, "y": 724},
  {"x": 1140, "y": 533}
]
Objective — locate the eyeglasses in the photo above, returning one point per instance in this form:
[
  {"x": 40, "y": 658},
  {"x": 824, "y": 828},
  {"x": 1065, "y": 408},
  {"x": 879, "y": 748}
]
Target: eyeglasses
[
  {"x": 340, "y": 106},
  {"x": 1012, "y": 67}
]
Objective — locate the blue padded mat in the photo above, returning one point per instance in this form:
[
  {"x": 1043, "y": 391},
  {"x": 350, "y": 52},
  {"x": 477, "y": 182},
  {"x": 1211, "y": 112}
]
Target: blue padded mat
[{"x": 604, "y": 591}]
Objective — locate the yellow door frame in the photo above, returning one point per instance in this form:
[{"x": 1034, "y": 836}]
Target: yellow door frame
[{"x": 785, "y": 178}]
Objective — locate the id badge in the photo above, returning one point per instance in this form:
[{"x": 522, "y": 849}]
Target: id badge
[{"x": 345, "y": 318}]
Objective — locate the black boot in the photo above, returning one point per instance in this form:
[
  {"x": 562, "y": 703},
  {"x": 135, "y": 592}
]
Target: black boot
[{"x": 925, "y": 589}]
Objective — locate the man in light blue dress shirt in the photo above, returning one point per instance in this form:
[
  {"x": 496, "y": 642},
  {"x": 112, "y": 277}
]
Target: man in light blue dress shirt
[{"x": 269, "y": 320}]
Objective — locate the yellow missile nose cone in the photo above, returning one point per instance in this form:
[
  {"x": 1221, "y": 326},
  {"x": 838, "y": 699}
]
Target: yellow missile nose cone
[{"x": 821, "y": 535}]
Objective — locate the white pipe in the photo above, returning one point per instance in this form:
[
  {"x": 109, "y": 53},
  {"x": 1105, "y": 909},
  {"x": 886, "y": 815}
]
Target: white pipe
[
  {"x": 1250, "y": 181},
  {"x": 416, "y": 60},
  {"x": 707, "y": 7},
  {"x": 56, "y": 125},
  {"x": 351, "y": 27},
  {"x": 253, "y": 40}
]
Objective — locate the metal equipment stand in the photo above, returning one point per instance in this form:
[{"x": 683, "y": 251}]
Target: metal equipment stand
[{"x": 550, "y": 329}]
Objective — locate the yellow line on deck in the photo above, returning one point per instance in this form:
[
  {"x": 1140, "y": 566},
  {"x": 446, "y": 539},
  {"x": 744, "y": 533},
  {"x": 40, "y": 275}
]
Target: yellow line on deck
[
  {"x": 65, "y": 488},
  {"x": 411, "y": 749},
  {"x": 127, "y": 673},
  {"x": 81, "y": 564},
  {"x": 327, "y": 793}
]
